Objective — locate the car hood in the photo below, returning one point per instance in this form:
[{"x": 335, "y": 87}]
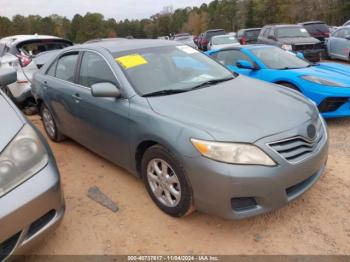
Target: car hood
[
  {"x": 331, "y": 71},
  {"x": 298, "y": 40},
  {"x": 240, "y": 110},
  {"x": 10, "y": 121}
]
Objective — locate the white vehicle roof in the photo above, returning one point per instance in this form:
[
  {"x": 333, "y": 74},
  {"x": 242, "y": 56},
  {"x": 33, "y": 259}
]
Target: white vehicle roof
[{"x": 20, "y": 38}]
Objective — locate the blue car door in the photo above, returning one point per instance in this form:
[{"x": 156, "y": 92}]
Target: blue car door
[{"x": 103, "y": 121}]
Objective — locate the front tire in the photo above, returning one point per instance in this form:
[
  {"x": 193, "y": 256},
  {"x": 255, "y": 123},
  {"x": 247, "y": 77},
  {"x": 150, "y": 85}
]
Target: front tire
[
  {"x": 50, "y": 125},
  {"x": 166, "y": 181}
]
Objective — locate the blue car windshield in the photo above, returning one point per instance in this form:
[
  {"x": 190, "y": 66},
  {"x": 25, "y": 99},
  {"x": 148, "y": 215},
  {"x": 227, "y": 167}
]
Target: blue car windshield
[
  {"x": 169, "y": 68},
  {"x": 276, "y": 58}
]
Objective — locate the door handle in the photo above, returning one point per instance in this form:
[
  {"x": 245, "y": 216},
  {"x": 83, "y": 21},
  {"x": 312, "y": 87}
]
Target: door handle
[{"x": 77, "y": 98}]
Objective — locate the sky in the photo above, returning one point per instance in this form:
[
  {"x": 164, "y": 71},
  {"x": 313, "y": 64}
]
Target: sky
[{"x": 118, "y": 9}]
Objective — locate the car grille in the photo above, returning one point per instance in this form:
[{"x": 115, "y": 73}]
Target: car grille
[
  {"x": 8, "y": 245},
  {"x": 307, "y": 47},
  {"x": 298, "y": 148},
  {"x": 331, "y": 104}
]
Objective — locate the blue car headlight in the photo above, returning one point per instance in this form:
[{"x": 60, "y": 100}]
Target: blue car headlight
[
  {"x": 321, "y": 81},
  {"x": 23, "y": 157}
]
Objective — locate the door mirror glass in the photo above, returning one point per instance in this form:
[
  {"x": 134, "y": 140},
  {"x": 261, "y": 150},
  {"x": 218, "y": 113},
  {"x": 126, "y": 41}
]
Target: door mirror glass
[
  {"x": 7, "y": 76},
  {"x": 105, "y": 90},
  {"x": 245, "y": 64}
]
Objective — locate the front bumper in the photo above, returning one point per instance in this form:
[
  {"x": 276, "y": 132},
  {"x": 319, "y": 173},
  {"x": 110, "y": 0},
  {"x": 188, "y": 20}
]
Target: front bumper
[
  {"x": 30, "y": 211},
  {"x": 313, "y": 55},
  {"x": 332, "y": 102},
  {"x": 239, "y": 191}
]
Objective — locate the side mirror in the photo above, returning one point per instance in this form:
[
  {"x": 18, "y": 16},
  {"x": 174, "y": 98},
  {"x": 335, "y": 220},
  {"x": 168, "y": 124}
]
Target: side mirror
[
  {"x": 300, "y": 55},
  {"x": 7, "y": 76},
  {"x": 347, "y": 37},
  {"x": 105, "y": 90},
  {"x": 245, "y": 64}
]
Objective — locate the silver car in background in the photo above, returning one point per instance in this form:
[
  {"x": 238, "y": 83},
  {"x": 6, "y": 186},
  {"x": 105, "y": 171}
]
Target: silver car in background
[
  {"x": 338, "y": 45},
  {"x": 222, "y": 41},
  {"x": 198, "y": 135},
  {"x": 185, "y": 39},
  {"x": 31, "y": 199},
  {"x": 19, "y": 52}
]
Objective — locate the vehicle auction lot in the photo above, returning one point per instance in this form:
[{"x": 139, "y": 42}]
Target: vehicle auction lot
[{"x": 316, "y": 223}]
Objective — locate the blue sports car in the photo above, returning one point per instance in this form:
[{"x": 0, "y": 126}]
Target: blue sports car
[{"x": 327, "y": 84}]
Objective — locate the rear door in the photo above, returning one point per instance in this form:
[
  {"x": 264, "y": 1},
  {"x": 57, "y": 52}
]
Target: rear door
[
  {"x": 103, "y": 121},
  {"x": 59, "y": 85}
]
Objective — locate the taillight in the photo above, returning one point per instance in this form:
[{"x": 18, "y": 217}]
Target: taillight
[
  {"x": 205, "y": 41},
  {"x": 24, "y": 60},
  {"x": 244, "y": 40},
  {"x": 326, "y": 34}
]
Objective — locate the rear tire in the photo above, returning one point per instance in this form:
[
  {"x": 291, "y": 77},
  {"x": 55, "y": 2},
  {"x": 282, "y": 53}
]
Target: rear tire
[
  {"x": 166, "y": 181},
  {"x": 50, "y": 125}
]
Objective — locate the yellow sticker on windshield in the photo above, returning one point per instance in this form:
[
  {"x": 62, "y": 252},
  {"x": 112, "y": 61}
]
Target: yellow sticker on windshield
[{"x": 130, "y": 61}]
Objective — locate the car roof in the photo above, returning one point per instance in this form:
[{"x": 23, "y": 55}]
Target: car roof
[
  {"x": 250, "y": 29},
  {"x": 115, "y": 45},
  {"x": 15, "y": 39},
  {"x": 312, "y": 22},
  {"x": 282, "y": 25},
  {"x": 248, "y": 47}
]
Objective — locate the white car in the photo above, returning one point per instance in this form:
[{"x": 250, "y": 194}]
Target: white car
[
  {"x": 222, "y": 41},
  {"x": 19, "y": 52}
]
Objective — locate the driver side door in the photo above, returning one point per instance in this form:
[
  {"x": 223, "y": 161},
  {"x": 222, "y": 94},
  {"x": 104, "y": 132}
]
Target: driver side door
[{"x": 104, "y": 121}]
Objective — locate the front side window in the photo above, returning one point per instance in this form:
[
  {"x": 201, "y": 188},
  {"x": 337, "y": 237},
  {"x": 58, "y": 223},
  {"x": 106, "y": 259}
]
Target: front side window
[
  {"x": 276, "y": 58},
  {"x": 94, "y": 69},
  {"x": 230, "y": 57},
  {"x": 176, "y": 68},
  {"x": 66, "y": 65}
]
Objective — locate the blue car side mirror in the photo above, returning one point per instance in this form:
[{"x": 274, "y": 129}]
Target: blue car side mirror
[
  {"x": 245, "y": 64},
  {"x": 300, "y": 55}
]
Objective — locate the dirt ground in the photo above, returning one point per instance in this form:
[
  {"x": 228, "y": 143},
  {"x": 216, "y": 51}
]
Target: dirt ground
[{"x": 316, "y": 223}]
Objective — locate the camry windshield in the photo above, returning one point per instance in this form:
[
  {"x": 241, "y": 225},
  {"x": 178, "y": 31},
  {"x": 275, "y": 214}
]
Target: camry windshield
[
  {"x": 223, "y": 40},
  {"x": 292, "y": 32},
  {"x": 170, "y": 69},
  {"x": 276, "y": 58}
]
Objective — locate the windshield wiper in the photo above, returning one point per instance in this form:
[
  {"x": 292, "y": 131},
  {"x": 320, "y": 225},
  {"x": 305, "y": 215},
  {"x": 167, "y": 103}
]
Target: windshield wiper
[
  {"x": 165, "y": 92},
  {"x": 210, "y": 83}
]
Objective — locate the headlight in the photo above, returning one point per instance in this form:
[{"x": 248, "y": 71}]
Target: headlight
[
  {"x": 322, "y": 81},
  {"x": 233, "y": 153},
  {"x": 287, "y": 47},
  {"x": 23, "y": 157}
]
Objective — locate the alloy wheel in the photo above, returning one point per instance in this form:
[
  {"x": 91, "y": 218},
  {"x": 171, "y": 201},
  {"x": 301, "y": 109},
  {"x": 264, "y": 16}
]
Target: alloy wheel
[
  {"x": 164, "y": 183},
  {"x": 48, "y": 123}
]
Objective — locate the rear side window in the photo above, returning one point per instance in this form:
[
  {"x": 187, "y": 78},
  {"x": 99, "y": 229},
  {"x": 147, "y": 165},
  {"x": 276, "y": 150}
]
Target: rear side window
[
  {"x": 94, "y": 69},
  {"x": 253, "y": 34},
  {"x": 33, "y": 48},
  {"x": 52, "y": 70},
  {"x": 230, "y": 57},
  {"x": 66, "y": 65}
]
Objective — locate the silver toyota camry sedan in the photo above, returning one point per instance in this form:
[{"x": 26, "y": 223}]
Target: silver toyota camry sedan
[
  {"x": 31, "y": 200},
  {"x": 200, "y": 136}
]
